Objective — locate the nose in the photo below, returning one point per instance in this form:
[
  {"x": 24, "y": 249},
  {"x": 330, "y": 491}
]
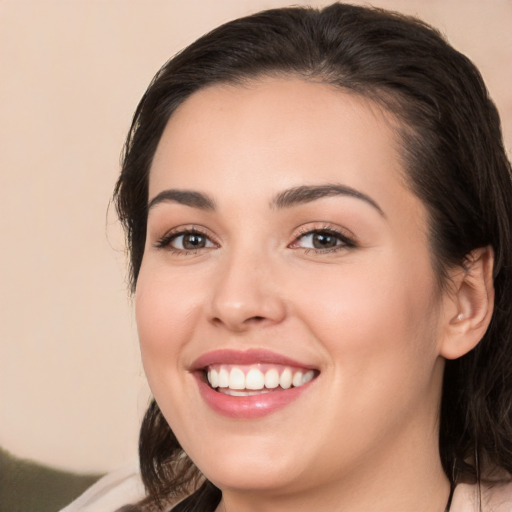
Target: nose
[{"x": 246, "y": 295}]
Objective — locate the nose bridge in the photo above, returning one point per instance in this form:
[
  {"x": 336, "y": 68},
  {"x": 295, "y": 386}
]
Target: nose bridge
[{"x": 245, "y": 292}]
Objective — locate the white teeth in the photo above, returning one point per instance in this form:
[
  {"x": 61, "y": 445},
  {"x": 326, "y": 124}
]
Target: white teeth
[
  {"x": 233, "y": 392},
  {"x": 236, "y": 379},
  {"x": 254, "y": 379},
  {"x": 308, "y": 376},
  {"x": 213, "y": 378},
  {"x": 223, "y": 378},
  {"x": 297, "y": 379},
  {"x": 285, "y": 381},
  {"x": 243, "y": 381},
  {"x": 272, "y": 378}
]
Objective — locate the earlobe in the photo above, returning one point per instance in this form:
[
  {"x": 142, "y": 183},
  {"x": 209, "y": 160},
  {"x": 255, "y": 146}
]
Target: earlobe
[{"x": 471, "y": 304}]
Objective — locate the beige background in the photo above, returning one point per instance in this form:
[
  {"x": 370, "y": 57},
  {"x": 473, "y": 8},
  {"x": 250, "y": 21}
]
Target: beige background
[{"x": 71, "y": 73}]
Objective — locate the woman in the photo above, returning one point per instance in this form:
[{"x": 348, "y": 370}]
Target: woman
[{"x": 318, "y": 208}]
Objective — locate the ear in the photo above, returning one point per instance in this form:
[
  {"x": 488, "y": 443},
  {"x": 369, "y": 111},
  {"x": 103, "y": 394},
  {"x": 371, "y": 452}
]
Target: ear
[{"x": 470, "y": 304}]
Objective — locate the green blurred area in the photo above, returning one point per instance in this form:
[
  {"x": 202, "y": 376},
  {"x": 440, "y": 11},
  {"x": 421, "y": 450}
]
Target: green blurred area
[{"x": 27, "y": 486}]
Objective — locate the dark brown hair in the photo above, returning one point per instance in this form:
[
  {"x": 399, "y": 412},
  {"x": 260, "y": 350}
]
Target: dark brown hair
[{"x": 455, "y": 162}]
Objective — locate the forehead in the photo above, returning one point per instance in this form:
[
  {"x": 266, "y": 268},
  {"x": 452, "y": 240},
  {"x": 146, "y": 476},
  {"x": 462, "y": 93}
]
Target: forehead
[{"x": 294, "y": 131}]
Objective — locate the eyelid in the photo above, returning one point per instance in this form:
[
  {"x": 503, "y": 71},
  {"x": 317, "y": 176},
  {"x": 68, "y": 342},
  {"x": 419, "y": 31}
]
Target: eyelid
[
  {"x": 164, "y": 242},
  {"x": 347, "y": 238}
]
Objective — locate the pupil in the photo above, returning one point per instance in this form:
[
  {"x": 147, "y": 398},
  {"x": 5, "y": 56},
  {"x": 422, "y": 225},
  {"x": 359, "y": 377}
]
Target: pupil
[
  {"x": 323, "y": 240},
  {"x": 193, "y": 241}
]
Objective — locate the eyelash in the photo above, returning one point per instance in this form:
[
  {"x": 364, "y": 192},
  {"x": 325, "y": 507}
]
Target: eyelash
[
  {"x": 346, "y": 242},
  {"x": 166, "y": 241}
]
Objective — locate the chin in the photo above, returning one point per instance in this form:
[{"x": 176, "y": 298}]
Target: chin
[
  {"x": 260, "y": 479},
  {"x": 254, "y": 468}
]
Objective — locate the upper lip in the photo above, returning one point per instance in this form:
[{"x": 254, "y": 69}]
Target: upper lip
[{"x": 245, "y": 357}]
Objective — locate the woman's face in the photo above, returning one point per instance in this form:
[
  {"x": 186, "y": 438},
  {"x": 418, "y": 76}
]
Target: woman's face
[{"x": 284, "y": 249}]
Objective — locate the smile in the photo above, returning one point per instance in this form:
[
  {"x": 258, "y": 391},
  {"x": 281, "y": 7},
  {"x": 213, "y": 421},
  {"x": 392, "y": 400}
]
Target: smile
[
  {"x": 250, "y": 384},
  {"x": 248, "y": 380}
]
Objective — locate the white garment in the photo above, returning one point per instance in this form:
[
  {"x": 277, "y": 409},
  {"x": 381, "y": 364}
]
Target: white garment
[
  {"x": 121, "y": 487},
  {"x": 124, "y": 487},
  {"x": 495, "y": 498}
]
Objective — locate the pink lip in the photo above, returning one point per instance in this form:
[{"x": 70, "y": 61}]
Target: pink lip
[
  {"x": 253, "y": 356},
  {"x": 246, "y": 407}
]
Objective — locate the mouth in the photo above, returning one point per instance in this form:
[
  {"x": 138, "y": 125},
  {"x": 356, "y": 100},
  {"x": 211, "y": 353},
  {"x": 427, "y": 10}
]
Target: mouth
[
  {"x": 251, "y": 384},
  {"x": 256, "y": 379}
]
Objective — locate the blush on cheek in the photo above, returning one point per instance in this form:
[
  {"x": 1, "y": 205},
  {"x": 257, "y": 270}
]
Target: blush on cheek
[
  {"x": 166, "y": 318},
  {"x": 372, "y": 312}
]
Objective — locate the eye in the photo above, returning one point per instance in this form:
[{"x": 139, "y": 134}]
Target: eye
[
  {"x": 323, "y": 240},
  {"x": 185, "y": 241},
  {"x": 319, "y": 240},
  {"x": 190, "y": 242}
]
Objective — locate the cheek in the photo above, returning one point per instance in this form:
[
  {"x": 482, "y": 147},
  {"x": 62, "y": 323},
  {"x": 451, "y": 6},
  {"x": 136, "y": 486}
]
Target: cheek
[
  {"x": 166, "y": 311},
  {"x": 365, "y": 312},
  {"x": 378, "y": 329}
]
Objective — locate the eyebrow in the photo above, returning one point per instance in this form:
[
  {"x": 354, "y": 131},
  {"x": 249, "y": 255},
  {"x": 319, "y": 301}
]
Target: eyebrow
[
  {"x": 285, "y": 199},
  {"x": 306, "y": 194},
  {"x": 185, "y": 197}
]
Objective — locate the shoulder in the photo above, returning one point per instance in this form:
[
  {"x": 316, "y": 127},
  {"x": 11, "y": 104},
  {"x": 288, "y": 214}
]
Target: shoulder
[
  {"x": 121, "y": 487},
  {"x": 494, "y": 497}
]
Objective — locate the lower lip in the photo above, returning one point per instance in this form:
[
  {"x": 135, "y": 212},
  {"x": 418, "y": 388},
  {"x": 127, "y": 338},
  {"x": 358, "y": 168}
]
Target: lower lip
[{"x": 249, "y": 407}]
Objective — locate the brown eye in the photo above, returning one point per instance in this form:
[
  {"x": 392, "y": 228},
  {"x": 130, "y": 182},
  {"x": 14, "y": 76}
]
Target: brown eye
[
  {"x": 193, "y": 241},
  {"x": 320, "y": 240},
  {"x": 324, "y": 240},
  {"x": 190, "y": 241}
]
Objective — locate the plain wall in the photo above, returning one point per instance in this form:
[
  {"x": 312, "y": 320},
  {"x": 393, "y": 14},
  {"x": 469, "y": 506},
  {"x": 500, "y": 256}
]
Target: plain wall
[{"x": 72, "y": 390}]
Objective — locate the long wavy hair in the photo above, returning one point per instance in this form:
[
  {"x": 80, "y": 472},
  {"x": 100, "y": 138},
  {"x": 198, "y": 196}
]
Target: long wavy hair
[{"x": 455, "y": 162}]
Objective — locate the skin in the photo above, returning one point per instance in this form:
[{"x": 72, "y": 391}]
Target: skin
[{"x": 368, "y": 315}]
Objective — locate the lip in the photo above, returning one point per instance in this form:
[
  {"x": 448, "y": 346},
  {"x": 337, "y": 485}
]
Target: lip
[
  {"x": 245, "y": 357},
  {"x": 247, "y": 407}
]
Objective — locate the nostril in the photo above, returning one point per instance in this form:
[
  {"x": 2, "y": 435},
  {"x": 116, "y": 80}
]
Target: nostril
[
  {"x": 252, "y": 320},
  {"x": 255, "y": 320}
]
